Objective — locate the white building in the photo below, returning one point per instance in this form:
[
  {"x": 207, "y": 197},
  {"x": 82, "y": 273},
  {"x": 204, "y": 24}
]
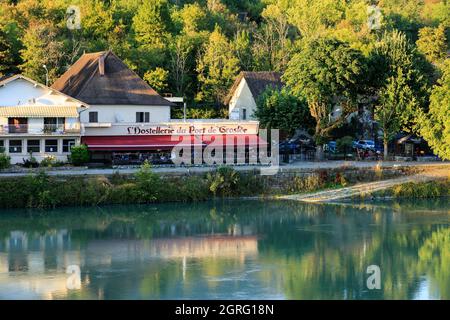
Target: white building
[
  {"x": 38, "y": 120},
  {"x": 127, "y": 118},
  {"x": 246, "y": 90}
]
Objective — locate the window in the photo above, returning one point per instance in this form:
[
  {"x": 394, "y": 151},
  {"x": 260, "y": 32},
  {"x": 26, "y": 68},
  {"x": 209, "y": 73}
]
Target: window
[
  {"x": 68, "y": 144},
  {"x": 54, "y": 124},
  {"x": 244, "y": 114},
  {"x": 2, "y": 146},
  {"x": 93, "y": 116},
  {"x": 51, "y": 145},
  {"x": 142, "y": 116},
  {"x": 18, "y": 125},
  {"x": 15, "y": 146},
  {"x": 34, "y": 146}
]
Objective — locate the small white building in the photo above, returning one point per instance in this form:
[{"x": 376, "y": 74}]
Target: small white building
[
  {"x": 37, "y": 120},
  {"x": 246, "y": 90}
]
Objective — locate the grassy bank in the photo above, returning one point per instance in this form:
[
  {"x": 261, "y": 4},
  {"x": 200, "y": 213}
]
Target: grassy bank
[
  {"x": 44, "y": 191},
  {"x": 414, "y": 190}
]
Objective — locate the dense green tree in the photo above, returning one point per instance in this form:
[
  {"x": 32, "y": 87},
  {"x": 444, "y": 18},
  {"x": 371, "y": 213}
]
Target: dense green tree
[
  {"x": 243, "y": 49},
  {"x": 193, "y": 18},
  {"x": 6, "y": 55},
  {"x": 181, "y": 54},
  {"x": 327, "y": 73},
  {"x": 395, "y": 107},
  {"x": 217, "y": 68},
  {"x": 157, "y": 79},
  {"x": 151, "y": 23},
  {"x": 432, "y": 43},
  {"x": 42, "y": 46},
  {"x": 260, "y": 34},
  {"x": 435, "y": 125},
  {"x": 279, "y": 109},
  {"x": 313, "y": 18},
  {"x": 401, "y": 82}
]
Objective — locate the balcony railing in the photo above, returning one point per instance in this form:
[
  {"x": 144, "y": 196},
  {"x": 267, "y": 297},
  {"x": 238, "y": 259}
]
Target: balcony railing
[
  {"x": 53, "y": 128},
  {"x": 18, "y": 128},
  {"x": 38, "y": 130}
]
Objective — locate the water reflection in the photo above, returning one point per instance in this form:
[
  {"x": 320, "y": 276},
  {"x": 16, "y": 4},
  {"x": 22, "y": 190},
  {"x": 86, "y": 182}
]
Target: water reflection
[{"x": 241, "y": 249}]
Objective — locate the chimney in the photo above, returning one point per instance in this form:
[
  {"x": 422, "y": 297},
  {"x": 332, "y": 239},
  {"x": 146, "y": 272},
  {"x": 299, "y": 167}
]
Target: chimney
[{"x": 101, "y": 65}]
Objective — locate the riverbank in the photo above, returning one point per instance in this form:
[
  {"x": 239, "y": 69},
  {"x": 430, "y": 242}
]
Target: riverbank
[
  {"x": 147, "y": 185},
  {"x": 412, "y": 190},
  {"x": 299, "y": 166}
]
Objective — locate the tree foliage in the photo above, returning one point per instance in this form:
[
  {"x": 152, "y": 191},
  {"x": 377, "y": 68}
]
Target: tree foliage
[
  {"x": 435, "y": 125},
  {"x": 217, "y": 68},
  {"x": 327, "y": 73},
  {"x": 281, "y": 110},
  {"x": 204, "y": 44}
]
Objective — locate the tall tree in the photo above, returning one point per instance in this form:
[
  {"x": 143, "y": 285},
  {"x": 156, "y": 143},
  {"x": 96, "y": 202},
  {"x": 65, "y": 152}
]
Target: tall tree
[
  {"x": 401, "y": 85},
  {"x": 432, "y": 43},
  {"x": 243, "y": 49},
  {"x": 42, "y": 46},
  {"x": 272, "y": 46},
  {"x": 217, "y": 67},
  {"x": 180, "y": 51},
  {"x": 279, "y": 109},
  {"x": 157, "y": 79},
  {"x": 327, "y": 73},
  {"x": 6, "y": 54},
  {"x": 396, "y": 105},
  {"x": 435, "y": 125},
  {"x": 151, "y": 23}
]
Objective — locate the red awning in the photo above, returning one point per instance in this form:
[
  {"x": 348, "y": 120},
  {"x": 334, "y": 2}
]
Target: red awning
[
  {"x": 123, "y": 143},
  {"x": 236, "y": 140},
  {"x": 153, "y": 142}
]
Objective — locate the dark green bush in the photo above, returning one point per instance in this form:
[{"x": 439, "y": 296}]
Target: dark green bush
[
  {"x": 79, "y": 155},
  {"x": 147, "y": 184},
  {"x": 5, "y": 161},
  {"x": 223, "y": 181}
]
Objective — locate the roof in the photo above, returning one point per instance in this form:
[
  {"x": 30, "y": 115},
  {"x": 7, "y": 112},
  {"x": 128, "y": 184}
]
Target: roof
[
  {"x": 118, "y": 85},
  {"x": 257, "y": 82},
  {"x": 5, "y": 80},
  {"x": 39, "y": 111}
]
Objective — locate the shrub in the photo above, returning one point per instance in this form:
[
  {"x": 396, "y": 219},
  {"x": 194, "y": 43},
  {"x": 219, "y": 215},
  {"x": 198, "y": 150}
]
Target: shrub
[
  {"x": 48, "y": 161},
  {"x": 313, "y": 182},
  {"x": 223, "y": 181},
  {"x": 31, "y": 162},
  {"x": 193, "y": 189},
  {"x": 5, "y": 161},
  {"x": 79, "y": 155},
  {"x": 147, "y": 183}
]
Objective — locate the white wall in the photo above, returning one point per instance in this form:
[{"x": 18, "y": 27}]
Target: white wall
[
  {"x": 18, "y": 157},
  {"x": 243, "y": 99},
  {"x": 22, "y": 92},
  {"x": 126, "y": 113}
]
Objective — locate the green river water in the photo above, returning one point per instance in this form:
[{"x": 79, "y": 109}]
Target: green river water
[{"x": 228, "y": 250}]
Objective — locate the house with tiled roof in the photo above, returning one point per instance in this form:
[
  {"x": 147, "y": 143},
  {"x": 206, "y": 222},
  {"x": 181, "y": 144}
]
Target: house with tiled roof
[
  {"x": 37, "y": 120},
  {"x": 246, "y": 90}
]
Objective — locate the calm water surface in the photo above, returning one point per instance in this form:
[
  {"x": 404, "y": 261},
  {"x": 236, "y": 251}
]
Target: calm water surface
[{"x": 227, "y": 250}]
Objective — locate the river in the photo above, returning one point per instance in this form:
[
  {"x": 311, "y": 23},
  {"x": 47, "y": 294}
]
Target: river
[{"x": 228, "y": 250}]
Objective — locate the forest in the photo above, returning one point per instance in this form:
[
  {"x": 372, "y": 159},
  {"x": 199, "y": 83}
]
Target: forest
[{"x": 389, "y": 54}]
